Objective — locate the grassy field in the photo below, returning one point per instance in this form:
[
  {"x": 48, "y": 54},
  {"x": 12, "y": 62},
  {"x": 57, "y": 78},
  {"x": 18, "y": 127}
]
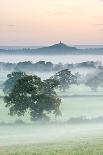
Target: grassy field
[
  {"x": 87, "y": 147},
  {"x": 65, "y": 139}
]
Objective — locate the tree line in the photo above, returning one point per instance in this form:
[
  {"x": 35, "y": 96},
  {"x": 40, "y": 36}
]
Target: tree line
[{"x": 43, "y": 66}]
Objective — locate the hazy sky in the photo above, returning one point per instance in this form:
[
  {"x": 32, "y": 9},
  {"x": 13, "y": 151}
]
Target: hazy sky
[{"x": 43, "y": 22}]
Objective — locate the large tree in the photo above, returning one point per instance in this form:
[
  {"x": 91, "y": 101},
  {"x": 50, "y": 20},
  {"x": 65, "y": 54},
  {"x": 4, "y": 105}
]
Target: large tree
[
  {"x": 11, "y": 80},
  {"x": 39, "y": 97},
  {"x": 65, "y": 78}
]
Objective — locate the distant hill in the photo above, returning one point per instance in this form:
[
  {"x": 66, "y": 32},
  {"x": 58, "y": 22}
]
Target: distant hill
[
  {"x": 56, "y": 49},
  {"x": 59, "y": 48}
]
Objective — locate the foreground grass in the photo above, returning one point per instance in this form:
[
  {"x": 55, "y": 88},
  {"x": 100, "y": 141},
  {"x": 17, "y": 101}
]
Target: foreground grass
[{"x": 86, "y": 147}]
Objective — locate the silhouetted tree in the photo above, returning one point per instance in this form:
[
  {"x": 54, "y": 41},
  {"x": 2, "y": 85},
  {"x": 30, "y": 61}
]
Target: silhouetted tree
[{"x": 39, "y": 97}]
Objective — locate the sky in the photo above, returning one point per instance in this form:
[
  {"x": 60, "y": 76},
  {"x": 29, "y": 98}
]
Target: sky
[{"x": 44, "y": 22}]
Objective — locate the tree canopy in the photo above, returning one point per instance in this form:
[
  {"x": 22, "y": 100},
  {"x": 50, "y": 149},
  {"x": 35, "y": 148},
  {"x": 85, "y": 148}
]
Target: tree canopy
[
  {"x": 65, "y": 78},
  {"x": 12, "y": 78},
  {"x": 39, "y": 97}
]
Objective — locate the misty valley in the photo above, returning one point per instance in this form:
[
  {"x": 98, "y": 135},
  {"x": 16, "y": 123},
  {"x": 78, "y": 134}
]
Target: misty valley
[
  {"x": 51, "y": 77},
  {"x": 76, "y": 109}
]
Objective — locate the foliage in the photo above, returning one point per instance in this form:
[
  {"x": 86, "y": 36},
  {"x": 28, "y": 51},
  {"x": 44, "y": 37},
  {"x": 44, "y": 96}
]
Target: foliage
[
  {"x": 65, "y": 78},
  {"x": 12, "y": 78},
  {"x": 78, "y": 78},
  {"x": 50, "y": 85},
  {"x": 95, "y": 80},
  {"x": 30, "y": 93}
]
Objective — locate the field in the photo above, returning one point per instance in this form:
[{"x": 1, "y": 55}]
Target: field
[
  {"x": 60, "y": 138},
  {"x": 87, "y": 147},
  {"x": 51, "y": 77}
]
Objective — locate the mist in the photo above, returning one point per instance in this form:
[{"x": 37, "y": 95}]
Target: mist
[
  {"x": 82, "y": 118},
  {"x": 81, "y": 107},
  {"x": 55, "y": 59}
]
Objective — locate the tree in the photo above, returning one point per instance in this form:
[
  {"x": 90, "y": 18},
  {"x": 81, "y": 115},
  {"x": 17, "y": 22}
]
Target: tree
[
  {"x": 78, "y": 78},
  {"x": 58, "y": 67},
  {"x": 30, "y": 93},
  {"x": 50, "y": 85},
  {"x": 95, "y": 80},
  {"x": 24, "y": 66},
  {"x": 12, "y": 78},
  {"x": 65, "y": 78}
]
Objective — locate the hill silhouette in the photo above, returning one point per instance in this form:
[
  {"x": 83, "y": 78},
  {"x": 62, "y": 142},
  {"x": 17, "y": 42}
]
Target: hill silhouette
[
  {"x": 56, "y": 49},
  {"x": 59, "y": 48}
]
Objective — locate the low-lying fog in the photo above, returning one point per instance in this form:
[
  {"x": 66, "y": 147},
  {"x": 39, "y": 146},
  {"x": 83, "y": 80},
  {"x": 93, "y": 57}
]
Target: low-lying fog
[
  {"x": 11, "y": 135},
  {"x": 82, "y": 117},
  {"x": 66, "y": 128},
  {"x": 55, "y": 59}
]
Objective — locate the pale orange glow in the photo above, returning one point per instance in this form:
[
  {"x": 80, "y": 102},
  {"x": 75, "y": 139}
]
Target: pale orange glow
[{"x": 42, "y": 22}]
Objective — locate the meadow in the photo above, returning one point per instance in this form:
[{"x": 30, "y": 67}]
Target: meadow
[
  {"x": 83, "y": 147},
  {"x": 58, "y": 137},
  {"x": 74, "y": 105}
]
